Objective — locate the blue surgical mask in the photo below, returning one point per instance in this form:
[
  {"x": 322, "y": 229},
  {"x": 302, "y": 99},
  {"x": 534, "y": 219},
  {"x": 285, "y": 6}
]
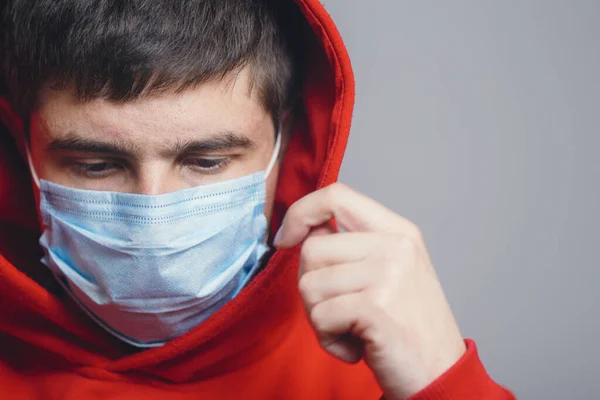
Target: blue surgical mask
[{"x": 148, "y": 268}]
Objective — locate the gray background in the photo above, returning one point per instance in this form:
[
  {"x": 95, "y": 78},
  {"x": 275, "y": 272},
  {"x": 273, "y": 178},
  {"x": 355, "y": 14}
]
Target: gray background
[{"x": 479, "y": 121}]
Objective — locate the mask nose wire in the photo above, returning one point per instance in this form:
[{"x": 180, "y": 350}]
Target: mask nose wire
[
  {"x": 275, "y": 153},
  {"x": 272, "y": 162}
]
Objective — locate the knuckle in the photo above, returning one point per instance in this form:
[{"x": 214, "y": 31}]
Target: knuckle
[
  {"x": 336, "y": 190},
  {"x": 408, "y": 246},
  {"x": 414, "y": 232},
  {"x": 293, "y": 213},
  {"x": 379, "y": 298},
  {"x": 403, "y": 246},
  {"x": 317, "y": 317},
  {"x": 390, "y": 269},
  {"x": 308, "y": 250},
  {"x": 337, "y": 187},
  {"x": 306, "y": 285}
]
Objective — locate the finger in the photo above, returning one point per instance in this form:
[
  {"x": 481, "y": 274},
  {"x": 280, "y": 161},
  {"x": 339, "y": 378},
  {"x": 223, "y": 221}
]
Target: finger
[
  {"x": 352, "y": 316},
  {"x": 322, "y": 284},
  {"x": 346, "y": 347},
  {"x": 333, "y": 320},
  {"x": 323, "y": 251},
  {"x": 351, "y": 210}
]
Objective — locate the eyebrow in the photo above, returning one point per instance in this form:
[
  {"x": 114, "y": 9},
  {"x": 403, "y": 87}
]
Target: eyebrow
[
  {"x": 217, "y": 142},
  {"x": 72, "y": 142}
]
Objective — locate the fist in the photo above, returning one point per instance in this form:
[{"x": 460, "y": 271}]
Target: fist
[{"x": 370, "y": 290}]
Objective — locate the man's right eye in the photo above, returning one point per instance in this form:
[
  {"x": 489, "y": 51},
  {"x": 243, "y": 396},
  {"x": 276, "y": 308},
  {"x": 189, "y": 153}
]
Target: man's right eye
[{"x": 96, "y": 169}]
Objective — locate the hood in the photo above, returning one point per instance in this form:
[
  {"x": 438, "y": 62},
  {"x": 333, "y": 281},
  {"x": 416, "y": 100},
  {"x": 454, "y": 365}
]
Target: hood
[{"x": 35, "y": 312}]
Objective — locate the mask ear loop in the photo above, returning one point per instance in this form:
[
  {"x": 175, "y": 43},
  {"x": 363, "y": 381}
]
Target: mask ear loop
[
  {"x": 275, "y": 155},
  {"x": 34, "y": 175}
]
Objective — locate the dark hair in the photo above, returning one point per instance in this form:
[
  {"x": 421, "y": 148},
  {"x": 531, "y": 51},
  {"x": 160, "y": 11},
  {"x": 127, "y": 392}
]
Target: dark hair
[{"x": 124, "y": 49}]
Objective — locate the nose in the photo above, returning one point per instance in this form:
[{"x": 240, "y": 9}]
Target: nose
[{"x": 157, "y": 179}]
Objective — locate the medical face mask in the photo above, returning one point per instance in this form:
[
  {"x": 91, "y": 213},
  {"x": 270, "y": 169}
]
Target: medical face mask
[{"x": 148, "y": 268}]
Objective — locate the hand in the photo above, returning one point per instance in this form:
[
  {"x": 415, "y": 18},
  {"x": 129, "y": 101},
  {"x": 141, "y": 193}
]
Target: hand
[{"x": 370, "y": 290}]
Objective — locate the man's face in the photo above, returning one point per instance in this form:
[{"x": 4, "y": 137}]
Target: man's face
[{"x": 214, "y": 132}]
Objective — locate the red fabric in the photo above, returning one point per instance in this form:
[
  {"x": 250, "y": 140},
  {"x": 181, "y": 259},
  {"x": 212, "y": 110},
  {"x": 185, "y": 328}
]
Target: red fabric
[
  {"x": 467, "y": 379},
  {"x": 259, "y": 346}
]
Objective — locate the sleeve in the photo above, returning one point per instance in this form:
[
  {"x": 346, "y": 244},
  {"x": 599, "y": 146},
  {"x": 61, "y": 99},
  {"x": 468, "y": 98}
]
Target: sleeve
[{"x": 466, "y": 380}]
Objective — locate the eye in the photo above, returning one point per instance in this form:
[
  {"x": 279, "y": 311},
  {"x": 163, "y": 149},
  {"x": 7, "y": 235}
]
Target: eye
[
  {"x": 207, "y": 164},
  {"x": 96, "y": 169}
]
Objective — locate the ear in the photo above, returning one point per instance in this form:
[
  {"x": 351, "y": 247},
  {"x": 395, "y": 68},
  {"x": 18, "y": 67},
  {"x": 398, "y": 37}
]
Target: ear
[
  {"x": 14, "y": 125},
  {"x": 13, "y": 122}
]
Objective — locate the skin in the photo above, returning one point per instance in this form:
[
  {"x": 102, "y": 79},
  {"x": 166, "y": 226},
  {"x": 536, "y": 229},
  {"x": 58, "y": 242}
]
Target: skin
[
  {"x": 370, "y": 290},
  {"x": 214, "y": 132}
]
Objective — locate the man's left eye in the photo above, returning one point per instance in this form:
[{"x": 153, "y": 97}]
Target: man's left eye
[{"x": 207, "y": 164}]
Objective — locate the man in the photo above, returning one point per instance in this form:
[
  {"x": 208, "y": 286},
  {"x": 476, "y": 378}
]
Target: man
[{"x": 149, "y": 145}]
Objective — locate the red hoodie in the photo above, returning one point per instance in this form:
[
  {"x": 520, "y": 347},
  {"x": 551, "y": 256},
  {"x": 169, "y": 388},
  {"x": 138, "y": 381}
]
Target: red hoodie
[{"x": 259, "y": 346}]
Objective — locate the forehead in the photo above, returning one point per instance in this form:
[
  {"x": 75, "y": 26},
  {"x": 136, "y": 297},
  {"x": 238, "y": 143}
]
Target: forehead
[{"x": 226, "y": 105}]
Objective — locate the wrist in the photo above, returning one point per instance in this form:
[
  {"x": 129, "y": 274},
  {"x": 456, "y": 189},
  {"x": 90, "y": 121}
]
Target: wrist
[{"x": 431, "y": 368}]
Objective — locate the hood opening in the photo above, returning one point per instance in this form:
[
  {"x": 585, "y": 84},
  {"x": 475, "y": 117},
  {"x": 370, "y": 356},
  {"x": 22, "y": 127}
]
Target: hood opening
[{"x": 265, "y": 308}]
